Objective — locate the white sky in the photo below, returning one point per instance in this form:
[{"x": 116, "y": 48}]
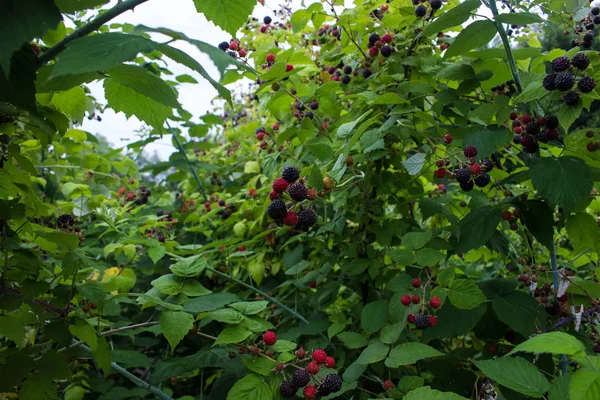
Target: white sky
[{"x": 179, "y": 15}]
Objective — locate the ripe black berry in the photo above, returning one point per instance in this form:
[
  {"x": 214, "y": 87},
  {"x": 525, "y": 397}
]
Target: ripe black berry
[
  {"x": 435, "y": 4},
  {"x": 571, "y": 98},
  {"x": 290, "y": 174},
  {"x": 467, "y": 186},
  {"x": 373, "y": 38},
  {"x": 421, "y": 321},
  {"x": 297, "y": 191},
  {"x": 223, "y": 46},
  {"x": 463, "y": 175},
  {"x": 277, "y": 209},
  {"x": 532, "y": 128},
  {"x": 288, "y": 389},
  {"x": 160, "y": 213},
  {"x": 386, "y": 51},
  {"x": 560, "y": 64},
  {"x": 222, "y": 203},
  {"x": 551, "y": 122},
  {"x": 420, "y": 11},
  {"x": 488, "y": 164},
  {"x": 588, "y": 37},
  {"x": 345, "y": 79},
  {"x": 347, "y": 70},
  {"x": 595, "y": 11},
  {"x": 306, "y": 218},
  {"x": 470, "y": 151},
  {"x": 366, "y": 73},
  {"x": 482, "y": 180},
  {"x": 332, "y": 384},
  {"x": 267, "y": 20},
  {"x": 581, "y": 61},
  {"x": 548, "y": 82},
  {"x": 564, "y": 81},
  {"x": 300, "y": 378},
  {"x": 65, "y": 220},
  {"x": 586, "y": 84}
]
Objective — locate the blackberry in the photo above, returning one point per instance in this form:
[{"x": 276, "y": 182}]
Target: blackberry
[
  {"x": 435, "y": 4},
  {"x": 571, "y": 98},
  {"x": 488, "y": 164},
  {"x": 516, "y": 139},
  {"x": 553, "y": 308},
  {"x": 309, "y": 114},
  {"x": 467, "y": 186},
  {"x": 551, "y": 122},
  {"x": 482, "y": 180},
  {"x": 160, "y": 213},
  {"x": 288, "y": 389},
  {"x": 346, "y": 79},
  {"x": 548, "y": 82},
  {"x": 533, "y": 147},
  {"x": 277, "y": 209},
  {"x": 347, "y": 70},
  {"x": 306, "y": 218},
  {"x": 470, "y": 151},
  {"x": 420, "y": 11},
  {"x": 139, "y": 201},
  {"x": 581, "y": 61},
  {"x": 386, "y": 51},
  {"x": 332, "y": 384},
  {"x": 421, "y": 321},
  {"x": 373, "y": 38},
  {"x": 560, "y": 64},
  {"x": 222, "y": 203},
  {"x": 588, "y": 37},
  {"x": 527, "y": 140},
  {"x": 564, "y": 81},
  {"x": 259, "y": 130},
  {"x": 290, "y": 174},
  {"x": 300, "y": 378},
  {"x": 463, "y": 175},
  {"x": 297, "y": 191},
  {"x": 267, "y": 20},
  {"x": 596, "y": 21},
  {"x": 223, "y": 46},
  {"x": 366, "y": 73},
  {"x": 595, "y": 11},
  {"x": 66, "y": 220},
  {"x": 586, "y": 84},
  {"x": 532, "y": 128}
]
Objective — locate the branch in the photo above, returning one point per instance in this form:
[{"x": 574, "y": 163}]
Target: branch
[
  {"x": 88, "y": 28},
  {"x": 190, "y": 166}
]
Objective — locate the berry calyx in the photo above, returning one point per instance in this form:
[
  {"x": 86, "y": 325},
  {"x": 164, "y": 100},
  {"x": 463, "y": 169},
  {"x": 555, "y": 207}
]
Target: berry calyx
[
  {"x": 405, "y": 300},
  {"x": 319, "y": 356},
  {"x": 270, "y": 338},
  {"x": 435, "y": 302}
]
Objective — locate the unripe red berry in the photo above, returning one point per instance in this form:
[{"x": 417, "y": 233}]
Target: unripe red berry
[
  {"x": 309, "y": 392},
  {"x": 312, "y": 368},
  {"x": 242, "y": 53},
  {"x": 440, "y": 173},
  {"x": 411, "y": 318},
  {"x": 300, "y": 353},
  {"x": 263, "y": 29},
  {"x": 517, "y": 130},
  {"x": 233, "y": 46},
  {"x": 432, "y": 320},
  {"x": 373, "y": 51},
  {"x": 260, "y": 135},
  {"x": 405, "y": 300},
  {"x": 525, "y": 118},
  {"x": 271, "y": 58},
  {"x": 475, "y": 169},
  {"x": 330, "y": 362},
  {"x": 448, "y": 138},
  {"x": 319, "y": 356},
  {"x": 254, "y": 350},
  {"x": 388, "y": 385},
  {"x": 275, "y": 127},
  {"x": 416, "y": 283},
  {"x": 415, "y": 298},
  {"x": 435, "y": 302},
  {"x": 387, "y": 38},
  {"x": 289, "y": 67},
  {"x": 270, "y": 338}
]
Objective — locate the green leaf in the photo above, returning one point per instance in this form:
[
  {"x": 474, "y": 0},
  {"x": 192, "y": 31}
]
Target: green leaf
[
  {"x": 416, "y": 240},
  {"x": 190, "y": 266},
  {"x": 374, "y": 316},
  {"x": 100, "y": 52},
  {"x": 209, "y": 303},
  {"x": 131, "y": 358},
  {"x": 559, "y": 390},
  {"x": 563, "y": 181},
  {"x": 533, "y": 91},
  {"x": 250, "y": 387},
  {"x": 102, "y": 355},
  {"x": 523, "y": 18},
  {"x": 585, "y": 385},
  {"x": 391, "y": 333},
  {"x": 487, "y": 139},
  {"x": 476, "y": 34},
  {"x": 156, "y": 253},
  {"x": 38, "y": 386},
  {"x": 429, "y": 257},
  {"x": 85, "y": 332},
  {"x": 19, "y": 88},
  {"x": 12, "y": 329},
  {"x": 582, "y": 229},
  {"x": 456, "y": 72},
  {"x": 227, "y": 315},
  {"x": 410, "y": 353},
  {"x": 250, "y": 307},
  {"x": 167, "y": 284},
  {"x": 453, "y": 17},
  {"x": 465, "y": 294},
  {"x": 23, "y": 20},
  {"x": 94, "y": 292},
  {"x": 456, "y": 321},
  {"x": 414, "y": 163},
  {"x": 552, "y": 342},
  {"x": 568, "y": 114},
  {"x": 145, "y": 83},
  {"x": 230, "y": 15},
  {"x": 375, "y": 352},
  {"x": 72, "y": 103},
  {"x": 193, "y": 288},
  {"x": 281, "y": 346},
  {"x": 516, "y": 374},
  {"x": 539, "y": 220},
  {"x": 389, "y": 98},
  {"x": 70, "y": 6},
  {"x": 259, "y": 365},
  {"x": 232, "y": 334},
  {"x": 427, "y": 393},
  {"x": 353, "y": 340},
  {"x": 124, "y": 99},
  {"x": 477, "y": 228},
  {"x": 175, "y": 325},
  {"x": 517, "y": 310}
]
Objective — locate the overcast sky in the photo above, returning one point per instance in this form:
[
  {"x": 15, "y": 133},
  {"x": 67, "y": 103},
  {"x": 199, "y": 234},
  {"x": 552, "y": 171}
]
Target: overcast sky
[{"x": 179, "y": 15}]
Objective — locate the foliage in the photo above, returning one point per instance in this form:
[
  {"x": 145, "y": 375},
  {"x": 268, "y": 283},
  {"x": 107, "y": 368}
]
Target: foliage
[{"x": 437, "y": 235}]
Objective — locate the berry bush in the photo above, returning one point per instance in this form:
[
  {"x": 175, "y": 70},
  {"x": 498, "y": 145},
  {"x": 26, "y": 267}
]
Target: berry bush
[{"x": 387, "y": 201}]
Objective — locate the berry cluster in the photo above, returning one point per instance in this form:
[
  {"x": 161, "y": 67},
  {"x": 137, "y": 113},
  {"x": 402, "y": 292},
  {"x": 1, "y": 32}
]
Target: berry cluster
[
  {"x": 592, "y": 146},
  {"x": 505, "y": 89},
  {"x": 327, "y": 30},
  {"x": 66, "y": 222},
  {"x": 381, "y": 45},
  {"x": 265, "y": 138},
  {"x": 343, "y": 73},
  {"x": 167, "y": 218},
  {"x": 563, "y": 77},
  {"x": 473, "y": 173},
  {"x": 421, "y": 320},
  {"x": 233, "y": 49},
  {"x": 379, "y": 12},
  {"x": 421, "y": 9},
  {"x": 512, "y": 218},
  {"x": 301, "y": 378},
  {"x": 585, "y": 32},
  {"x": 529, "y": 276},
  {"x": 139, "y": 198},
  {"x": 291, "y": 186},
  {"x": 529, "y": 132},
  {"x": 305, "y": 110}
]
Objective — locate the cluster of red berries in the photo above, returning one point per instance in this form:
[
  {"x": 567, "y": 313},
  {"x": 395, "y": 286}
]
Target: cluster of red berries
[
  {"x": 421, "y": 320},
  {"x": 529, "y": 132},
  {"x": 442, "y": 41},
  {"x": 563, "y": 77},
  {"x": 468, "y": 174},
  {"x": 422, "y": 7},
  {"x": 87, "y": 306},
  {"x": 505, "y": 89},
  {"x": 379, "y": 12},
  {"x": 512, "y": 218},
  {"x": 380, "y": 45},
  {"x": 138, "y": 198},
  {"x": 233, "y": 49},
  {"x": 265, "y": 138},
  {"x": 306, "y": 377},
  {"x": 327, "y": 30},
  {"x": 291, "y": 186},
  {"x": 592, "y": 146}
]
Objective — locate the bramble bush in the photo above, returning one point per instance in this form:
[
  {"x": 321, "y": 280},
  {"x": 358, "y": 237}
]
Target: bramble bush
[{"x": 395, "y": 206}]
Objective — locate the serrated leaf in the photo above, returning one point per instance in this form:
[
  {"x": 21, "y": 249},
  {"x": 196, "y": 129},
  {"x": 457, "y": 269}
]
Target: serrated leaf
[
  {"x": 477, "y": 228},
  {"x": 465, "y": 294},
  {"x": 521, "y": 18},
  {"x": 156, "y": 253},
  {"x": 38, "y": 386},
  {"x": 353, "y": 340},
  {"x": 568, "y": 114},
  {"x": 12, "y": 329},
  {"x": 190, "y": 266},
  {"x": 167, "y": 284},
  {"x": 232, "y": 334},
  {"x": 414, "y": 163},
  {"x": 250, "y": 387},
  {"x": 457, "y": 321},
  {"x": 374, "y": 316},
  {"x": 175, "y": 325},
  {"x": 517, "y": 310},
  {"x": 230, "y": 15},
  {"x": 427, "y": 393},
  {"x": 487, "y": 139},
  {"x": 516, "y": 374},
  {"x": 259, "y": 365},
  {"x": 145, "y": 83},
  {"x": 477, "y": 34},
  {"x": 250, "y": 307},
  {"x": 85, "y": 332},
  {"x": 410, "y": 353},
  {"x": 227, "y": 315},
  {"x": 94, "y": 292},
  {"x": 210, "y": 302},
  {"x": 533, "y": 91},
  {"x": 193, "y": 288},
  {"x": 584, "y": 385},
  {"x": 375, "y": 352},
  {"x": 553, "y": 343},
  {"x": 453, "y": 17}
]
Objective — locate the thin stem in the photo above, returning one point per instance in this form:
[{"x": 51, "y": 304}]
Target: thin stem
[
  {"x": 88, "y": 28},
  {"x": 5, "y": 267},
  {"x": 563, "y": 359},
  {"x": 140, "y": 383},
  {"x": 190, "y": 166}
]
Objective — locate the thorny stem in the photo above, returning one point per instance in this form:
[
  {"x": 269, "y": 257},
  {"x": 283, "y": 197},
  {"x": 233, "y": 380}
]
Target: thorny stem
[
  {"x": 88, "y": 28},
  {"x": 190, "y": 166}
]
